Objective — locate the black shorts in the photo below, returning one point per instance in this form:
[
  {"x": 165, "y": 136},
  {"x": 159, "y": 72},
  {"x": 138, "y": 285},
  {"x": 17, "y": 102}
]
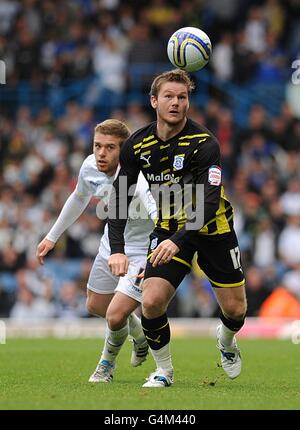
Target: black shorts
[{"x": 218, "y": 256}]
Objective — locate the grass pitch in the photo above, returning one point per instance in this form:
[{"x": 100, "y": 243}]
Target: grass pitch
[{"x": 53, "y": 374}]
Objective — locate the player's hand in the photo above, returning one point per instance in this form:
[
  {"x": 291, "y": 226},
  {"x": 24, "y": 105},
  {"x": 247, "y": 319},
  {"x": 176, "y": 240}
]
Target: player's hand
[
  {"x": 43, "y": 248},
  {"x": 118, "y": 264},
  {"x": 141, "y": 275},
  {"x": 164, "y": 253}
]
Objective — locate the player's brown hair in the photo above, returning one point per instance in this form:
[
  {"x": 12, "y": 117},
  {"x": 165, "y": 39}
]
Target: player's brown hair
[
  {"x": 176, "y": 75},
  {"x": 113, "y": 127}
]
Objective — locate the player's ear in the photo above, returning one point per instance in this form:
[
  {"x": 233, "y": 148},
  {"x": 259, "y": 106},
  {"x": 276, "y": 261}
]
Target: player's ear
[{"x": 153, "y": 101}]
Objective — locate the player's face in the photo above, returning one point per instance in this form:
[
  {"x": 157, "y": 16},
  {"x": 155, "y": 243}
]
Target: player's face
[
  {"x": 171, "y": 103},
  {"x": 107, "y": 152}
]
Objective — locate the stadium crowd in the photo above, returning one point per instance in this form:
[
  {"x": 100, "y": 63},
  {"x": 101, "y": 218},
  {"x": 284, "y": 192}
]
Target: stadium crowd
[{"x": 44, "y": 44}]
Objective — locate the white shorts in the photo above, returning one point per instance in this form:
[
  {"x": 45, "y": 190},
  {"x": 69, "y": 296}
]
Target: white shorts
[{"x": 102, "y": 281}]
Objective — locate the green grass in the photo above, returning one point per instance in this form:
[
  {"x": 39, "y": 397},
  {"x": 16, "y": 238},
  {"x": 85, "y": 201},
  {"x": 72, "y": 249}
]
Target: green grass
[{"x": 53, "y": 374}]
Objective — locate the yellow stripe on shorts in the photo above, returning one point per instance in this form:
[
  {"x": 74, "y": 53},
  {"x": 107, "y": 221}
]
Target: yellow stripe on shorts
[{"x": 237, "y": 284}]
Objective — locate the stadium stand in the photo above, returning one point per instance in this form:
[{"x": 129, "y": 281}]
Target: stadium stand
[{"x": 70, "y": 66}]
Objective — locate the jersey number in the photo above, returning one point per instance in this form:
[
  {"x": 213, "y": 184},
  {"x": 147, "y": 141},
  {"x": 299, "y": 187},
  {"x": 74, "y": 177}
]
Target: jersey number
[{"x": 236, "y": 257}]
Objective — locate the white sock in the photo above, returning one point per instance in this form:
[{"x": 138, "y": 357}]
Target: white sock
[
  {"x": 163, "y": 357},
  {"x": 113, "y": 343},
  {"x": 135, "y": 328},
  {"x": 226, "y": 335}
]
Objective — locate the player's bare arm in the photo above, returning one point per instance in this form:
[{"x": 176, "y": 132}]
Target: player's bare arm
[
  {"x": 43, "y": 248},
  {"x": 164, "y": 253}
]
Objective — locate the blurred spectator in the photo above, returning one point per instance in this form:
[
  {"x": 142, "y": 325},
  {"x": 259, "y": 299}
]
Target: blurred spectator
[
  {"x": 195, "y": 297},
  {"x": 110, "y": 74},
  {"x": 264, "y": 246},
  {"x": 27, "y": 54},
  {"x": 222, "y": 58},
  {"x": 141, "y": 42},
  {"x": 257, "y": 123},
  {"x": 30, "y": 308},
  {"x": 257, "y": 291},
  {"x": 289, "y": 242},
  {"x": 271, "y": 66},
  {"x": 11, "y": 260},
  {"x": 290, "y": 199},
  {"x": 8, "y": 10},
  {"x": 212, "y": 113},
  {"x": 71, "y": 305},
  {"x": 244, "y": 61},
  {"x": 224, "y": 13},
  {"x": 255, "y": 30},
  {"x": 284, "y": 301},
  {"x": 226, "y": 134},
  {"x": 136, "y": 116},
  {"x": 31, "y": 16},
  {"x": 294, "y": 142},
  {"x": 190, "y": 13},
  {"x": 274, "y": 15},
  {"x": 161, "y": 13}
]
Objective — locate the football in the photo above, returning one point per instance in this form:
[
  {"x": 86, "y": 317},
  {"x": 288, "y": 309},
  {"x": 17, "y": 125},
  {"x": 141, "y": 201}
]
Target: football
[{"x": 189, "y": 48}]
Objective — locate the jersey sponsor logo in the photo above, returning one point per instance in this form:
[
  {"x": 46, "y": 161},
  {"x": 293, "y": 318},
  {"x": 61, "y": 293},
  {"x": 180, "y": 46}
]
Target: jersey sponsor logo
[
  {"x": 214, "y": 175},
  {"x": 162, "y": 177},
  {"x": 178, "y": 162},
  {"x": 153, "y": 243}
]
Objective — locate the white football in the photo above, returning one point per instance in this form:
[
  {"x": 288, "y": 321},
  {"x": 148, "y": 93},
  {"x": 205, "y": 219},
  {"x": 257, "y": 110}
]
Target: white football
[{"x": 189, "y": 48}]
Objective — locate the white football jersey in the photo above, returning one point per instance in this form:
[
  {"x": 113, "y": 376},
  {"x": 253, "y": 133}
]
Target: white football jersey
[{"x": 142, "y": 209}]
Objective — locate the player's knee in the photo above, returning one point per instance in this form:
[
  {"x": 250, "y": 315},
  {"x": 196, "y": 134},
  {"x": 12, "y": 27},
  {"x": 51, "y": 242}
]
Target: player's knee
[
  {"x": 93, "y": 309},
  {"x": 236, "y": 309},
  {"x": 116, "y": 320},
  {"x": 153, "y": 306}
]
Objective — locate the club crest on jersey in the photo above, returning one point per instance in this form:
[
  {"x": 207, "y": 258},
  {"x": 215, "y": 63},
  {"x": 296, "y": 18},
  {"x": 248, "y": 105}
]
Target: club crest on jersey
[
  {"x": 178, "y": 162},
  {"x": 214, "y": 175},
  {"x": 153, "y": 244}
]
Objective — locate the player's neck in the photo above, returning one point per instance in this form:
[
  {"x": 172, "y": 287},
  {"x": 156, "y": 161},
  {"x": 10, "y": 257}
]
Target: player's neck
[
  {"x": 166, "y": 131},
  {"x": 113, "y": 172}
]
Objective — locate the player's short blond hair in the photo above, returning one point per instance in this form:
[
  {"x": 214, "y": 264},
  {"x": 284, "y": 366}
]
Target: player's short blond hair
[
  {"x": 176, "y": 75},
  {"x": 113, "y": 127}
]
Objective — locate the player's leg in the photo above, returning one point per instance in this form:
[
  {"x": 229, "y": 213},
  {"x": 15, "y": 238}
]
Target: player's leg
[
  {"x": 128, "y": 296},
  {"x": 219, "y": 257},
  {"x": 158, "y": 289},
  {"x": 157, "y": 293},
  {"x": 97, "y": 303},
  {"x": 114, "y": 339},
  {"x": 119, "y": 310},
  {"x": 119, "y": 315},
  {"x": 100, "y": 287},
  {"x": 233, "y": 306}
]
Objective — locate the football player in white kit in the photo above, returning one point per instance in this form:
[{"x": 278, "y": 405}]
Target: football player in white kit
[{"x": 108, "y": 296}]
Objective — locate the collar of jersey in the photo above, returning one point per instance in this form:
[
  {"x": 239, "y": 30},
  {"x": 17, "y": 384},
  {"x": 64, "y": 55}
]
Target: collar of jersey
[{"x": 183, "y": 131}]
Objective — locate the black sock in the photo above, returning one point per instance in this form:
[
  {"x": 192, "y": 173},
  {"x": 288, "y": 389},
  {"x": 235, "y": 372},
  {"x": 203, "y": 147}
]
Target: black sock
[
  {"x": 233, "y": 325},
  {"x": 157, "y": 331}
]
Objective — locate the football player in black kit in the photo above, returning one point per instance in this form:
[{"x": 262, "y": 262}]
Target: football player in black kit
[{"x": 175, "y": 150}]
